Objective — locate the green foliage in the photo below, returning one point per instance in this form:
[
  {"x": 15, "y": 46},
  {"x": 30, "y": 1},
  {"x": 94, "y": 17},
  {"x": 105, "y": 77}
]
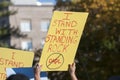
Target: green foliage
[
  {"x": 99, "y": 50},
  {"x": 5, "y": 30},
  {"x": 4, "y": 8}
]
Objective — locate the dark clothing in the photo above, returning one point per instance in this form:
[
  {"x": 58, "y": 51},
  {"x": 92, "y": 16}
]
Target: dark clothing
[{"x": 17, "y": 77}]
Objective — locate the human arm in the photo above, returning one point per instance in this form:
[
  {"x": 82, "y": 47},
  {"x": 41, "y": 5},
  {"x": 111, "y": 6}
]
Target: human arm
[
  {"x": 37, "y": 72},
  {"x": 71, "y": 70}
]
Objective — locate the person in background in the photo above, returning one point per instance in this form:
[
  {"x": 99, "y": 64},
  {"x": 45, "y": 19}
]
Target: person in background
[
  {"x": 17, "y": 77},
  {"x": 71, "y": 69}
]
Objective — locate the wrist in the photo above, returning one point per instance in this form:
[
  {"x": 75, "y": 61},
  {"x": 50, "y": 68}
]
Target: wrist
[
  {"x": 72, "y": 73},
  {"x": 73, "y": 76},
  {"x": 37, "y": 74}
]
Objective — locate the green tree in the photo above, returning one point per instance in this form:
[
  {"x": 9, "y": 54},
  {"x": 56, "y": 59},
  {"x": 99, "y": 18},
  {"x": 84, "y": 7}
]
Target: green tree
[
  {"x": 99, "y": 49},
  {"x": 5, "y": 30}
]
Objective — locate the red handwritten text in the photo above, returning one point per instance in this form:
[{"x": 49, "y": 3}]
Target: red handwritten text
[
  {"x": 57, "y": 47},
  {"x": 61, "y": 39},
  {"x": 2, "y": 76},
  {"x": 54, "y": 61},
  {"x": 65, "y": 22},
  {"x": 8, "y": 62}
]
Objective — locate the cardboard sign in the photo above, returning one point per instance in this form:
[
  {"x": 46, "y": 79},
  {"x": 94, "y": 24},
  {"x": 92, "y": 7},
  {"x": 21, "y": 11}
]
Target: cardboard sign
[
  {"x": 62, "y": 40},
  {"x": 28, "y": 71},
  {"x": 11, "y": 58}
]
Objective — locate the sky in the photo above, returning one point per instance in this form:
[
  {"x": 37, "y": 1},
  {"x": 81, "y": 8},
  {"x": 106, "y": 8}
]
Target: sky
[{"x": 43, "y": 1}]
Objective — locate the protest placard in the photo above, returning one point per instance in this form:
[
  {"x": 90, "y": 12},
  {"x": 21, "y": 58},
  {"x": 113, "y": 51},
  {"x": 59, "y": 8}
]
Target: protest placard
[
  {"x": 12, "y": 58},
  {"x": 62, "y": 40}
]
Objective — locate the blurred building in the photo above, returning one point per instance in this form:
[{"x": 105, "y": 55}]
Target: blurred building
[{"x": 32, "y": 20}]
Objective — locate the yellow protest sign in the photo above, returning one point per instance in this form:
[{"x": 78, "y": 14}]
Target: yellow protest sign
[
  {"x": 62, "y": 40},
  {"x": 12, "y": 58}
]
